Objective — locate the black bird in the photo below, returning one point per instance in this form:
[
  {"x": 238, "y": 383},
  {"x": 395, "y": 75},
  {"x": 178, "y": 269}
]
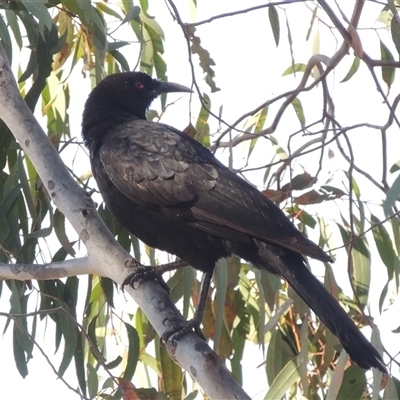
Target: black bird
[{"x": 173, "y": 194}]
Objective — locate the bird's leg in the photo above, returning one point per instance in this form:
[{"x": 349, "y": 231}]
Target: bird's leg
[
  {"x": 176, "y": 332},
  {"x": 148, "y": 271}
]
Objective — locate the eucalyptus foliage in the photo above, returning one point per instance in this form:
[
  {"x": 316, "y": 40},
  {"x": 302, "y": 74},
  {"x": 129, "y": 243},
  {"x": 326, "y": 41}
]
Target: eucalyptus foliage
[{"x": 107, "y": 346}]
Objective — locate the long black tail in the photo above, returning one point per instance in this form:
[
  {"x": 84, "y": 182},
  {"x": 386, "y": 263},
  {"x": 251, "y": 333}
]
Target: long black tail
[{"x": 291, "y": 266}]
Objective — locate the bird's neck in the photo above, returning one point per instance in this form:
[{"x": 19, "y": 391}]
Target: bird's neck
[{"x": 97, "y": 122}]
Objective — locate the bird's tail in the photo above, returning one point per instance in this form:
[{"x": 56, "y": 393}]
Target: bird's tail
[{"x": 292, "y": 267}]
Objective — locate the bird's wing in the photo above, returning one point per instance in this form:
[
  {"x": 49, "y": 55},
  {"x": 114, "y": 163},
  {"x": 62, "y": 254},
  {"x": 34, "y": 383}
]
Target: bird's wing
[
  {"x": 238, "y": 205},
  {"x": 156, "y": 165},
  {"x": 152, "y": 164}
]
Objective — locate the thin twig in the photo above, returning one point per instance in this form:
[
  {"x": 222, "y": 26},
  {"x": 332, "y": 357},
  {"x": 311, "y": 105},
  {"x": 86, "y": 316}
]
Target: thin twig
[{"x": 233, "y": 13}]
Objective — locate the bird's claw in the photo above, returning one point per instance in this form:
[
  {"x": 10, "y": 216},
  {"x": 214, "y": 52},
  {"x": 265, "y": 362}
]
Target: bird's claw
[
  {"x": 142, "y": 272},
  {"x": 132, "y": 263},
  {"x": 180, "y": 329}
]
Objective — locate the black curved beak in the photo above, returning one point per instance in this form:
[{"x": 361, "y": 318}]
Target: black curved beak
[{"x": 169, "y": 87}]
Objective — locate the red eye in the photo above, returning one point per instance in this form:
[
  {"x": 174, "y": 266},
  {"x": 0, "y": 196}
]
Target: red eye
[{"x": 139, "y": 85}]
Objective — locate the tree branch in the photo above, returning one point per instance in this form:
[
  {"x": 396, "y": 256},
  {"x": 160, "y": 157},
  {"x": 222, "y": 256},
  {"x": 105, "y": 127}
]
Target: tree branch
[
  {"x": 231, "y": 14},
  {"x": 24, "y": 272}
]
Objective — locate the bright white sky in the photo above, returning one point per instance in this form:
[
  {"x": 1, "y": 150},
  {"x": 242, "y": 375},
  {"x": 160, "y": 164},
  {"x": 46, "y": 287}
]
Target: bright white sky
[{"x": 248, "y": 70}]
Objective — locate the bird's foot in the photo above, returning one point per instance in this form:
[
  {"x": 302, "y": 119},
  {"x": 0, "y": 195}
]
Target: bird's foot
[
  {"x": 181, "y": 328},
  {"x": 143, "y": 272}
]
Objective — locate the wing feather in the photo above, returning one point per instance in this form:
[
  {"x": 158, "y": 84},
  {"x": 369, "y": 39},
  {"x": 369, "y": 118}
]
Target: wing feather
[{"x": 170, "y": 171}]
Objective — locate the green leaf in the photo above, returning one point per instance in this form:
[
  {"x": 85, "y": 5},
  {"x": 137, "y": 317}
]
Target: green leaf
[
  {"x": 104, "y": 8},
  {"x": 238, "y": 343},
  {"x": 9, "y": 200},
  {"x": 260, "y": 119},
  {"x": 298, "y": 108},
  {"x": 69, "y": 332},
  {"x": 314, "y": 14},
  {"x": 284, "y": 380},
  {"x": 19, "y": 357},
  {"x": 91, "y": 329},
  {"x": 98, "y": 28},
  {"x": 11, "y": 232},
  {"x": 42, "y": 58},
  {"x": 274, "y": 22},
  {"x": 172, "y": 375},
  {"x": 385, "y": 15},
  {"x": 202, "y": 127},
  {"x": 354, "y": 384},
  {"x": 384, "y": 244},
  {"x": 279, "y": 356},
  {"x": 33, "y": 36},
  {"x": 133, "y": 351},
  {"x": 261, "y": 306},
  {"x": 295, "y": 68},
  {"x": 191, "y": 396},
  {"x": 188, "y": 275},
  {"x": 61, "y": 43},
  {"x": 22, "y": 338},
  {"x": 13, "y": 23},
  {"x": 337, "y": 377},
  {"x": 396, "y": 383},
  {"x": 273, "y": 321},
  {"x": 93, "y": 381},
  {"x": 30, "y": 202},
  {"x": 114, "y": 363},
  {"x": 392, "y": 196},
  {"x": 5, "y": 38},
  {"x": 22, "y": 345},
  {"x": 43, "y": 232},
  {"x": 388, "y": 73},
  {"x": 391, "y": 391},
  {"x": 377, "y": 375},
  {"x": 150, "y": 361},
  {"x": 221, "y": 283},
  {"x": 303, "y": 360},
  {"x": 395, "y": 30},
  {"x": 79, "y": 365},
  {"x": 144, "y": 4},
  {"x": 272, "y": 285},
  {"x": 141, "y": 324},
  {"x": 362, "y": 268},
  {"x": 39, "y": 10},
  {"x": 299, "y": 182},
  {"x": 395, "y": 167},
  {"x": 116, "y": 45},
  {"x": 150, "y": 22},
  {"x": 280, "y": 151},
  {"x": 107, "y": 285},
  {"x": 353, "y": 69}
]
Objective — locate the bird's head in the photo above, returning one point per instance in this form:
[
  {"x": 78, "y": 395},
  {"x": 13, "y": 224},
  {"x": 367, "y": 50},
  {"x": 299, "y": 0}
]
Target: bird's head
[
  {"x": 130, "y": 92},
  {"x": 120, "y": 96}
]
